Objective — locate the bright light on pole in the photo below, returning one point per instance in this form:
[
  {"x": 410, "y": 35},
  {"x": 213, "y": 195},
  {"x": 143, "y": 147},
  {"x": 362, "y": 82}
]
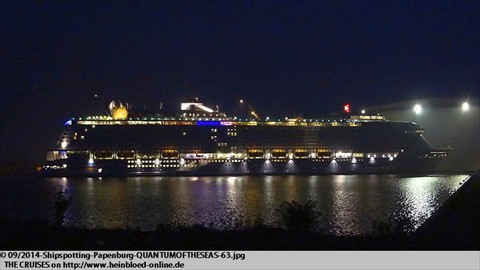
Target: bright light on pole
[
  {"x": 417, "y": 109},
  {"x": 465, "y": 106}
]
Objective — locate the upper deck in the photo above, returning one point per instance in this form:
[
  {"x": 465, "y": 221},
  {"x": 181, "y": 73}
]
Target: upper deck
[
  {"x": 196, "y": 114},
  {"x": 210, "y": 120}
]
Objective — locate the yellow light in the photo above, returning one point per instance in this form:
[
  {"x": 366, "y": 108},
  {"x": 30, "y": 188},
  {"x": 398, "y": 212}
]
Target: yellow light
[{"x": 119, "y": 113}]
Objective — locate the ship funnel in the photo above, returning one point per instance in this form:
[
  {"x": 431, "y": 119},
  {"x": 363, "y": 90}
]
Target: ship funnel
[{"x": 118, "y": 110}]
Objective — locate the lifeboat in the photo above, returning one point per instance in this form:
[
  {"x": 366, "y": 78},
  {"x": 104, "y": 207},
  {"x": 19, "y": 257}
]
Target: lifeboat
[
  {"x": 255, "y": 153},
  {"x": 279, "y": 153}
]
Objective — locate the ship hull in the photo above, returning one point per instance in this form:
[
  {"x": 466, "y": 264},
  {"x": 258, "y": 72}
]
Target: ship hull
[{"x": 402, "y": 165}]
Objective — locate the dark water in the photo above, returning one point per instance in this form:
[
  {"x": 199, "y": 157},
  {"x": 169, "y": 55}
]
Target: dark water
[{"x": 350, "y": 204}]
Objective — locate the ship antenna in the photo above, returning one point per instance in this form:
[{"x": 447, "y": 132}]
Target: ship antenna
[{"x": 251, "y": 110}]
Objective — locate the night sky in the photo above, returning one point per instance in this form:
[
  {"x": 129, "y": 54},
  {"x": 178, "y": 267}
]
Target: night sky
[{"x": 285, "y": 58}]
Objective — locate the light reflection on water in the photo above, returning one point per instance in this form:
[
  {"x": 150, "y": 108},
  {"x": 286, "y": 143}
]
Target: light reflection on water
[
  {"x": 350, "y": 204},
  {"x": 420, "y": 200}
]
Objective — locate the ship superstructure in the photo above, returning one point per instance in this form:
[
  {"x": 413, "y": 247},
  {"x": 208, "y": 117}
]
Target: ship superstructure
[{"x": 199, "y": 140}]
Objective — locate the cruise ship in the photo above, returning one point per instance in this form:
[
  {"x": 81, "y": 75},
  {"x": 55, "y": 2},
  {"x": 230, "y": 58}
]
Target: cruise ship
[{"x": 199, "y": 140}]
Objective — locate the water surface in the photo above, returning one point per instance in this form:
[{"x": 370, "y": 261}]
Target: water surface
[{"x": 350, "y": 204}]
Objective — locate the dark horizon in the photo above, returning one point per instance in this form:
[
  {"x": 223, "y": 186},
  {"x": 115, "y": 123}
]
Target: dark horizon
[{"x": 284, "y": 58}]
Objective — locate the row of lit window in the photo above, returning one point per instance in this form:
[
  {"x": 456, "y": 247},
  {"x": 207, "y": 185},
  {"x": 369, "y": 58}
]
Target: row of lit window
[
  {"x": 205, "y": 114},
  {"x": 355, "y": 118},
  {"x": 55, "y": 167},
  {"x": 435, "y": 155},
  {"x": 431, "y": 157},
  {"x": 192, "y": 122},
  {"x": 221, "y": 161},
  {"x": 337, "y": 159},
  {"x": 152, "y": 161},
  {"x": 152, "y": 156},
  {"x": 153, "y": 166},
  {"x": 288, "y": 164}
]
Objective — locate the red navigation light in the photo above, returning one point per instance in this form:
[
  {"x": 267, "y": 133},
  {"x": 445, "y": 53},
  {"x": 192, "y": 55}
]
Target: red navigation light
[{"x": 346, "y": 108}]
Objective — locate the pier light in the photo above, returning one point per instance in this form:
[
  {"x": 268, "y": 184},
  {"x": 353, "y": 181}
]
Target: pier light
[
  {"x": 417, "y": 108},
  {"x": 465, "y": 106}
]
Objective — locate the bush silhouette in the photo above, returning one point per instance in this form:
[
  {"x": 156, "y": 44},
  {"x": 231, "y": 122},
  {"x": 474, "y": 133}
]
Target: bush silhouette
[{"x": 298, "y": 217}]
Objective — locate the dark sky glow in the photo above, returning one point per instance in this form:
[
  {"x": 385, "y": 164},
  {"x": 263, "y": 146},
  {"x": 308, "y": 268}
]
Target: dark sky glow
[{"x": 284, "y": 57}]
